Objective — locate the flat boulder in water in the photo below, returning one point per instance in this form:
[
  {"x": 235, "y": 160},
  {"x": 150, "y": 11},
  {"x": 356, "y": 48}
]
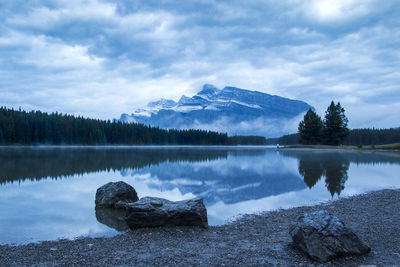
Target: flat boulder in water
[
  {"x": 111, "y": 193},
  {"x": 324, "y": 237},
  {"x": 152, "y": 212}
]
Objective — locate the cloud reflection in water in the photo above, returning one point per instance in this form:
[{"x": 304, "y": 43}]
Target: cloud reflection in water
[{"x": 47, "y": 194}]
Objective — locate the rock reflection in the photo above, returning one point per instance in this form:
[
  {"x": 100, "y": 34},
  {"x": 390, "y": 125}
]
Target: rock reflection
[{"x": 114, "y": 218}]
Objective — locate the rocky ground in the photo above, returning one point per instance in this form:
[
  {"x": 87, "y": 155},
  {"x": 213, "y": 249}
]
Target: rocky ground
[{"x": 254, "y": 240}]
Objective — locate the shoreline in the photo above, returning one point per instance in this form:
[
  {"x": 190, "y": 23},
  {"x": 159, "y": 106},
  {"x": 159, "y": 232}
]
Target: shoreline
[
  {"x": 388, "y": 147},
  {"x": 261, "y": 239}
]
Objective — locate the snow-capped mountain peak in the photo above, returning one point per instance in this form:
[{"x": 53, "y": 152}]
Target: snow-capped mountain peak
[
  {"x": 232, "y": 110},
  {"x": 209, "y": 90},
  {"x": 162, "y": 103}
]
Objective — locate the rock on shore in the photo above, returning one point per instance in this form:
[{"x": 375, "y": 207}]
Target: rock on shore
[
  {"x": 111, "y": 193},
  {"x": 152, "y": 211},
  {"x": 114, "y": 198},
  {"x": 324, "y": 237}
]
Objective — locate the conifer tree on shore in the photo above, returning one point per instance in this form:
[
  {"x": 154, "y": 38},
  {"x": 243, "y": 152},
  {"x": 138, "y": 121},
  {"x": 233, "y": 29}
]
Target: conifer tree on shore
[
  {"x": 310, "y": 129},
  {"x": 332, "y": 131},
  {"x": 335, "y": 125}
]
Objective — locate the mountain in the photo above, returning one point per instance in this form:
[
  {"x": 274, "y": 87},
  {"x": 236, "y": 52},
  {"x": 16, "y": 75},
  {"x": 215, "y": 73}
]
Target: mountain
[{"x": 232, "y": 110}]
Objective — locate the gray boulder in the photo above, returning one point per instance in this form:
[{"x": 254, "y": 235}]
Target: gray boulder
[
  {"x": 152, "y": 212},
  {"x": 109, "y": 194},
  {"x": 324, "y": 237}
]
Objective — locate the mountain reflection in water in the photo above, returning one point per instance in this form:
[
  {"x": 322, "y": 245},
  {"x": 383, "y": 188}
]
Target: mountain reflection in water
[
  {"x": 48, "y": 192},
  {"x": 205, "y": 171}
]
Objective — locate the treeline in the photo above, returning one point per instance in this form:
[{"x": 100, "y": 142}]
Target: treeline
[
  {"x": 247, "y": 140},
  {"x": 19, "y": 127},
  {"x": 289, "y": 139},
  {"x": 360, "y": 137},
  {"x": 36, "y": 127},
  {"x": 356, "y": 137}
]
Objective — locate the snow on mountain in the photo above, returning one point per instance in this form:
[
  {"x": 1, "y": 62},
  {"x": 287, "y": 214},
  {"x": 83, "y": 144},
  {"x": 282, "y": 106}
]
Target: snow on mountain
[{"x": 232, "y": 110}]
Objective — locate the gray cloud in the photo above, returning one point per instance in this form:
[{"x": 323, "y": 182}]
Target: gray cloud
[{"x": 102, "y": 58}]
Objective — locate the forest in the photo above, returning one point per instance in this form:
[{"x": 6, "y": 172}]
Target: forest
[
  {"x": 360, "y": 137},
  {"x": 19, "y": 127},
  {"x": 356, "y": 137},
  {"x": 332, "y": 130}
]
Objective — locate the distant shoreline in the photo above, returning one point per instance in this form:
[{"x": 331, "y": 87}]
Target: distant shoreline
[
  {"x": 251, "y": 240},
  {"x": 386, "y": 147},
  {"x": 140, "y": 146},
  {"x": 395, "y": 146}
]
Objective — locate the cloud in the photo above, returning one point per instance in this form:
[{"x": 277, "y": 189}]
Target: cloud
[
  {"x": 102, "y": 58},
  {"x": 46, "y": 18},
  {"x": 337, "y": 10},
  {"x": 259, "y": 126}
]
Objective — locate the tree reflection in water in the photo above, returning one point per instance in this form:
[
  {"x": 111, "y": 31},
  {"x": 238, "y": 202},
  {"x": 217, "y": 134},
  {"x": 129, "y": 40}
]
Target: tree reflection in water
[{"x": 333, "y": 166}]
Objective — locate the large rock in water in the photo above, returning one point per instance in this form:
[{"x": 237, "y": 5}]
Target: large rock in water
[
  {"x": 152, "y": 212},
  {"x": 109, "y": 194},
  {"x": 324, "y": 237}
]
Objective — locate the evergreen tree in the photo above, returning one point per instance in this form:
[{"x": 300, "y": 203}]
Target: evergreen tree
[
  {"x": 310, "y": 129},
  {"x": 1, "y": 137},
  {"x": 357, "y": 137},
  {"x": 26, "y": 128},
  {"x": 335, "y": 125}
]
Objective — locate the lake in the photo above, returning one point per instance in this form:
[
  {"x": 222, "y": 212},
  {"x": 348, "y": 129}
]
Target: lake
[{"x": 47, "y": 193}]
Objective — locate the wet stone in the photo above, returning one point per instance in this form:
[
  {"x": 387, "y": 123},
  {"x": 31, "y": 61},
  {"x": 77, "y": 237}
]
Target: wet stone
[{"x": 324, "y": 237}]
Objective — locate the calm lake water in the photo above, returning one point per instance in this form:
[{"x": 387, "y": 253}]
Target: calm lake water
[{"x": 47, "y": 193}]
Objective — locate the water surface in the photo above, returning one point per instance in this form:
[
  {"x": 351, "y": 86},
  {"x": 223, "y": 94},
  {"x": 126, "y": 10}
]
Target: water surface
[{"x": 47, "y": 193}]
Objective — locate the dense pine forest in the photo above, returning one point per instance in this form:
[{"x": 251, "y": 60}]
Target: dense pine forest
[
  {"x": 247, "y": 140},
  {"x": 332, "y": 130},
  {"x": 289, "y": 139},
  {"x": 36, "y": 127},
  {"x": 356, "y": 137},
  {"x": 19, "y": 127},
  {"x": 373, "y": 137}
]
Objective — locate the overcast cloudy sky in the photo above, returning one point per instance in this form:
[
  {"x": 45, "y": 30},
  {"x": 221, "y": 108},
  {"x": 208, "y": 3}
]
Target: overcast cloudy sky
[{"x": 101, "y": 58}]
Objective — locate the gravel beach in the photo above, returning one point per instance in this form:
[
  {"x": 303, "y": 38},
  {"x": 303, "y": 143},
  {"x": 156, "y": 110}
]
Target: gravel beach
[{"x": 253, "y": 240}]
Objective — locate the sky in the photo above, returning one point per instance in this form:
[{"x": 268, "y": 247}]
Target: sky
[{"x": 100, "y": 58}]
